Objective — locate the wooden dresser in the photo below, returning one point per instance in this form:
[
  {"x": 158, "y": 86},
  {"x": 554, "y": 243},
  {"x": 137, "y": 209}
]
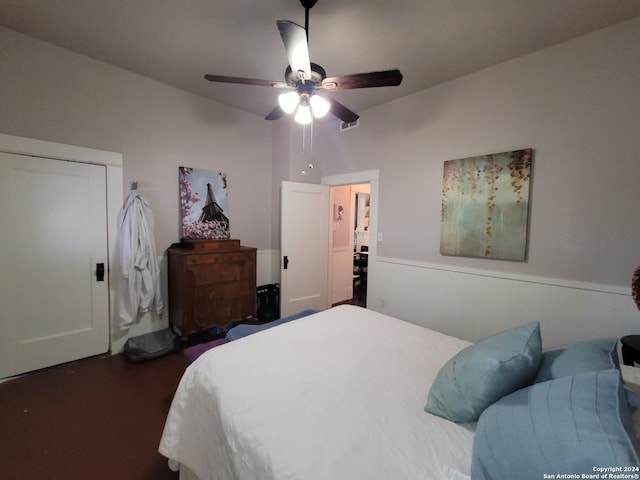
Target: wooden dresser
[{"x": 212, "y": 283}]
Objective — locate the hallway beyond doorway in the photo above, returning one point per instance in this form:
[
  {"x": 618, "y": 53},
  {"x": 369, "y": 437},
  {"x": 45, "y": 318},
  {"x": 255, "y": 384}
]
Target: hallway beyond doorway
[{"x": 359, "y": 297}]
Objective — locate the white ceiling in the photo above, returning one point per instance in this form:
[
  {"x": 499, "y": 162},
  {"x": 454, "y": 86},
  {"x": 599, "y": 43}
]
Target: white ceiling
[{"x": 430, "y": 41}]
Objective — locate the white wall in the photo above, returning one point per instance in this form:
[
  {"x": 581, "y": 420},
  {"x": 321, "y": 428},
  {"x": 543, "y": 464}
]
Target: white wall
[
  {"x": 578, "y": 105},
  {"x": 473, "y": 304},
  {"x": 52, "y": 94},
  {"x": 49, "y": 93}
]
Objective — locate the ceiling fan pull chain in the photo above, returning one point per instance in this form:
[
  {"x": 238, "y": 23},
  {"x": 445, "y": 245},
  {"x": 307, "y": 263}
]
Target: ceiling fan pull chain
[
  {"x": 307, "y": 159},
  {"x": 304, "y": 147},
  {"x": 311, "y": 145}
]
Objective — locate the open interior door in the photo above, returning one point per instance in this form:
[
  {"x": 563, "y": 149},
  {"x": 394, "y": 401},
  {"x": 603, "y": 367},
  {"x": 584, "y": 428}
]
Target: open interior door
[{"x": 304, "y": 246}]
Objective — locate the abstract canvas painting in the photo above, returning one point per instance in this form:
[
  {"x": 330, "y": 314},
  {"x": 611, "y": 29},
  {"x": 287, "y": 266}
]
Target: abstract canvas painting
[
  {"x": 485, "y": 206},
  {"x": 203, "y": 203}
]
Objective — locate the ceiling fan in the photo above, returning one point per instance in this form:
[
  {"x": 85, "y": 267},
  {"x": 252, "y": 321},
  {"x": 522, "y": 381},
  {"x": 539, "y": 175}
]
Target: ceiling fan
[{"x": 304, "y": 79}]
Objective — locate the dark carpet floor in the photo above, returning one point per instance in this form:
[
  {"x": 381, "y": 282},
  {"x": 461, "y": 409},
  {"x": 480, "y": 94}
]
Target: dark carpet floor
[{"x": 98, "y": 418}]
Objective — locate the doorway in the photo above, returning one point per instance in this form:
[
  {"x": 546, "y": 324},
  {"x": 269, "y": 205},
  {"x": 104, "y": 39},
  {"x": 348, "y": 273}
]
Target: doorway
[
  {"x": 342, "y": 263},
  {"x": 295, "y": 293},
  {"x": 361, "y": 240},
  {"x": 349, "y": 243}
]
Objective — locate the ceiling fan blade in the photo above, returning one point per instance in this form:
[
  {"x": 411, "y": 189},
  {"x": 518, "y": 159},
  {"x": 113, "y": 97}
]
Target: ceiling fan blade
[
  {"x": 387, "y": 78},
  {"x": 275, "y": 114},
  {"x": 294, "y": 38},
  {"x": 340, "y": 111},
  {"x": 246, "y": 81}
]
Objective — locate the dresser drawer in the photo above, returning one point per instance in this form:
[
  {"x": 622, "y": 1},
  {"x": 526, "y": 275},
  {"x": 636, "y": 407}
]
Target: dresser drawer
[
  {"x": 222, "y": 303},
  {"x": 220, "y": 258},
  {"x": 226, "y": 272}
]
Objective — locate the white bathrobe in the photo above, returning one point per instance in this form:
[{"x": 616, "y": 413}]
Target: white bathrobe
[{"x": 138, "y": 280}]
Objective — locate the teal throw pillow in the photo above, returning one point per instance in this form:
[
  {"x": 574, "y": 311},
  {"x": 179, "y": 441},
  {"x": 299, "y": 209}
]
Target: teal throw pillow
[
  {"x": 484, "y": 372},
  {"x": 569, "y": 425},
  {"x": 579, "y": 357}
]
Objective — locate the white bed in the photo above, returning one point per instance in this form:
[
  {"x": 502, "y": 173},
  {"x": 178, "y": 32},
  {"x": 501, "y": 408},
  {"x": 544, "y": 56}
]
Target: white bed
[{"x": 336, "y": 395}]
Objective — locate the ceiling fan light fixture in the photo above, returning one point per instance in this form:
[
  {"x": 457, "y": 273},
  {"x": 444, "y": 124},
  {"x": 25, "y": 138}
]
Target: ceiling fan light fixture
[
  {"x": 319, "y": 106},
  {"x": 303, "y": 115},
  {"x": 289, "y": 101},
  {"x": 304, "y": 77}
]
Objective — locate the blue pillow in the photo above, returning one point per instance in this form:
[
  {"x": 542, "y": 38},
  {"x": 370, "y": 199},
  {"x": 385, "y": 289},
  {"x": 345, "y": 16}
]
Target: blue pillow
[
  {"x": 569, "y": 425},
  {"x": 579, "y": 357},
  {"x": 582, "y": 357},
  {"x": 244, "y": 330},
  {"x": 485, "y": 372}
]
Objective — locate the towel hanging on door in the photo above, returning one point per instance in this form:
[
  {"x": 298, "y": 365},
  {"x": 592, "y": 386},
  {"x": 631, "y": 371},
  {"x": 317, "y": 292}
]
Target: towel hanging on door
[{"x": 138, "y": 280}]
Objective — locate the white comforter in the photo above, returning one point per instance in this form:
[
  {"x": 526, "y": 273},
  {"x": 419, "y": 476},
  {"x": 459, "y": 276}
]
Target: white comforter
[{"x": 338, "y": 395}]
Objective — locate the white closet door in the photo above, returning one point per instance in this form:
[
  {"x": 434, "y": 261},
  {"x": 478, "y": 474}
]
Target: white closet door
[{"x": 53, "y": 236}]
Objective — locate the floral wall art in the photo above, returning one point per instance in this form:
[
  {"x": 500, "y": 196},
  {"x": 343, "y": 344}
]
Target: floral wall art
[
  {"x": 203, "y": 204},
  {"x": 485, "y": 206}
]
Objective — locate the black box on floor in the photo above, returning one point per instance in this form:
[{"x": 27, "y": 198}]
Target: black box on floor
[{"x": 268, "y": 297}]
